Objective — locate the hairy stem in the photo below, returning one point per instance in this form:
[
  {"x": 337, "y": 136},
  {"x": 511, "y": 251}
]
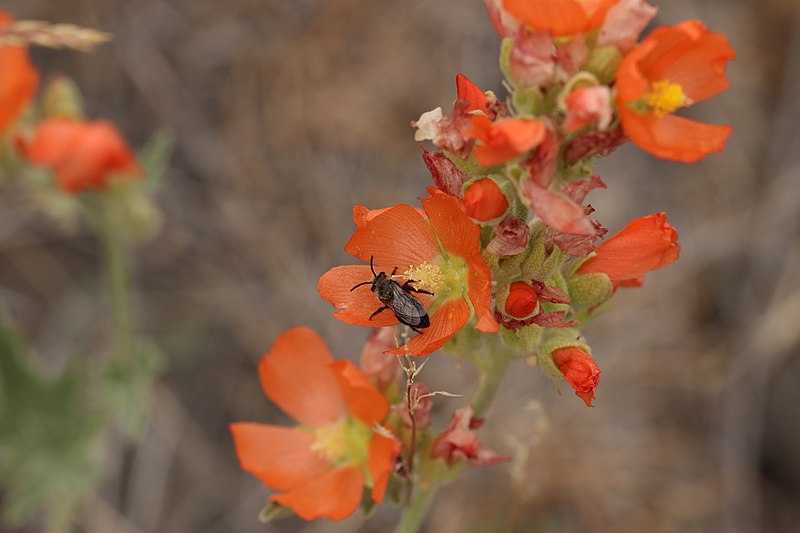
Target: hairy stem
[{"x": 119, "y": 283}]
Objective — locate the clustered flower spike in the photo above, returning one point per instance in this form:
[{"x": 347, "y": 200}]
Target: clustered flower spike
[{"x": 504, "y": 258}]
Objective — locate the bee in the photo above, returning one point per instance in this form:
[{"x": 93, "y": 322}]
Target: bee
[{"x": 405, "y": 306}]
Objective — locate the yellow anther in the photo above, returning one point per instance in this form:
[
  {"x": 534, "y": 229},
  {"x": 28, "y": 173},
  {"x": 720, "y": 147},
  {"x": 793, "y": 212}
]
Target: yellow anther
[
  {"x": 330, "y": 442},
  {"x": 664, "y": 97},
  {"x": 427, "y": 277}
]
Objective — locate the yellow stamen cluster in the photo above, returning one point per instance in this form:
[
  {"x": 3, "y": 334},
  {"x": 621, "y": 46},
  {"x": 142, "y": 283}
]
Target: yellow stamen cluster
[
  {"x": 664, "y": 97},
  {"x": 330, "y": 442},
  {"x": 345, "y": 442},
  {"x": 426, "y": 277}
]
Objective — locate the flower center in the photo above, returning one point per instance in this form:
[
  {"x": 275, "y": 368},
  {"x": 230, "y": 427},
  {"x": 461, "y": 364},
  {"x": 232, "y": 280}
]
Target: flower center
[
  {"x": 426, "y": 277},
  {"x": 664, "y": 97},
  {"x": 345, "y": 442}
]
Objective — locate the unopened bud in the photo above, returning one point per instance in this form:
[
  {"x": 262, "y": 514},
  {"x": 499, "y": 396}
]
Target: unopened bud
[
  {"x": 522, "y": 300},
  {"x": 603, "y": 63},
  {"x": 588, "y": 290},
  {"x": 62, "y": 99},
  {"x": 484, "y": 200}
]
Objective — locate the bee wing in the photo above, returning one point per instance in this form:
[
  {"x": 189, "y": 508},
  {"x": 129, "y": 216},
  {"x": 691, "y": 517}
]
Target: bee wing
[{"x": 406, "y": 307}]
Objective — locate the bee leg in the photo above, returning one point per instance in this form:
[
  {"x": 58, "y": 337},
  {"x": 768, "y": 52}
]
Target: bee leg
[
  {"x": 384, "y": 308},
  {"x": 415, "y": 329},
  {"x": 409, "y": 288}
]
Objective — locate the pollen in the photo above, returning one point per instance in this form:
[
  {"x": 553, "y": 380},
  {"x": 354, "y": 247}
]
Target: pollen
[
  {"x": 330, "y": 442},
  {"x": 426, "y": 277},
  {"x": 343, "y": 443},
  {"x": 664, "y": 97}
]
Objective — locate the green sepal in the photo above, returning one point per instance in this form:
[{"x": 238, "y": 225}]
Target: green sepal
[
  {"x": 61, "y": 98},
  {"x": 274, "y": 511},
  {"x": 506, "y": 46},
  {"x": 529, "y": 101},
  {"x": 368, "y": 505},
  {"x": 470, "y": 166},
  {"x": 587, "y": 290},
  {"x": 540, "y": 264},
  {"x": 603, "y": 62},
  {"x": 524, "y": 341},
  {"x": 561, "y": 338}
]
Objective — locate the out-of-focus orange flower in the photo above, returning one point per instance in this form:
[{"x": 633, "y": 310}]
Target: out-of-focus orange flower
[
  {"x": 484, "y": 200},
  {"x": 645, "y": 244},
  {"x": 441, "y": 253},
  {"x": 673, "y": 67},
  {"x": 522, "y": 300},
  {"x": 580, "y": 371},
  {"x": 322, "y": 467},
  {"x": 504, "y": 139},
  {"x": 18, "y": 79},
  {"x": 560, "y": 17},
  {"x": 83, "y": 154}
]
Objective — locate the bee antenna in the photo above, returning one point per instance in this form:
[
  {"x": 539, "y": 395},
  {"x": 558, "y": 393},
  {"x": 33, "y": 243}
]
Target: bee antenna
[{"x": 372, "y": 268}]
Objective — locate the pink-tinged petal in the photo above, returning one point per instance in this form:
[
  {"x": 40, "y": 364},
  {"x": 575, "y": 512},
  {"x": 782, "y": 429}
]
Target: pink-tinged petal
[
  {"x": 382, "y": 452},
  {"x": 446, "y": 175},
  {"x": 457, "y": 233},
  {"x": 296, "y": 375},
  {"x": 445, "y": 322},
  {"x": 398, "y": 238},
  {"x": 363, "y": 400},
  {"x": 355, "y": 306},
  {"x": 557, "y": 210},
  {"x": 624, "y": 22},
  {"x": 334, "y": 495},
  {"x": 279, "y": 456}
]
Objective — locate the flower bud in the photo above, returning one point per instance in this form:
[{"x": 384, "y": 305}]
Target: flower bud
[
  {"x": 459, "y": 443},
  {"x": 522, "y": 300},
  {"x": 484, "y": 200},
  {"x": 580, "y": 371},
  {"x": 589, "y": 289},
  {"x": 62, "y": 99},
  {"x": 380, "y": 367}
]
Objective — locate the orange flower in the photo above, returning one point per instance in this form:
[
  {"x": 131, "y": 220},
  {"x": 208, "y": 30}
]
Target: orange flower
[
  {"x": 18, "y": 79},
  {"x": 505, "y": 139},
  {"x": 322, "y": 466},
  {"x": 560, "y": 17},
  {"x": 83, "y": 154},
  {"x": 580, "y": 371},
  {"x": 673, "y": 67},
  {"x": 441, "y": 254},
  {"x": 485, "y": 201},
  {"x": 646, "y": 244}
]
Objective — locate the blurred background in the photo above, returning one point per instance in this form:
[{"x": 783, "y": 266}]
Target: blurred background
[{"x": 286, "y": 114}]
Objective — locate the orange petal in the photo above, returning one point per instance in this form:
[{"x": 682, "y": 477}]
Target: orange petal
[
  {"x": 457, "y": 233},
  {"x": 355, "y": 307},
  {"x": 296, "y": 375},
  {"x": 279, "y": 456},
  {"x": 673, "y": 137},
  {"x": 335, "y": 495},
  {"x": 445, "y": 322},
  {"x": 382, "y": 452},
  {"x": 18, "y": 79},
  {"x": 398, "y": 238},
  {"x": 560, "y": 17},
  {"x": 363, "y": 400},
  {"x": 645, "y": 244},
  {"x": 690, "y": 55},
  {"x": 480, "y": 294},
  {"x": 471, "y": 93}
]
